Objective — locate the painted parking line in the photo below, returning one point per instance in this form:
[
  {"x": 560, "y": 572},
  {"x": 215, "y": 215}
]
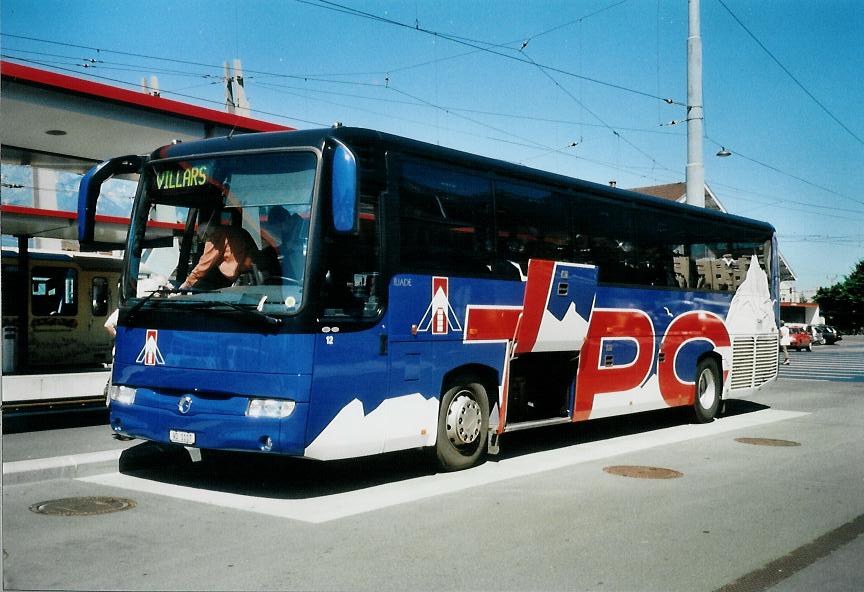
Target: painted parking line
[{"x": 341, "y": 505}]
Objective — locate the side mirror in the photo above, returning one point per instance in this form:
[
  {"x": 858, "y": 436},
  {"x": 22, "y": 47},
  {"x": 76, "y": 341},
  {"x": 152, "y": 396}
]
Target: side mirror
[
  {"x": 344, "y": 188},
  {"x": 88, "y": 196}
]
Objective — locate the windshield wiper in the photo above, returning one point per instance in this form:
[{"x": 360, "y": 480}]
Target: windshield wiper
[
  {"x": 253, "y": 312},
  {"x": 158, "y": 291}
]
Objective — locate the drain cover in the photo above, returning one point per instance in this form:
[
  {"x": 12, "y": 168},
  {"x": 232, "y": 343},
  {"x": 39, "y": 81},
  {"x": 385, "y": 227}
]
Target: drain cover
[
  {"x": 640, "y": 472},
  {"x": 767, "y": 442},
  {"x": 82, "y": 506}
]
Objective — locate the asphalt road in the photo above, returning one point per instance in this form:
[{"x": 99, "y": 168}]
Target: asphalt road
[{"x": 547, "y": 514}]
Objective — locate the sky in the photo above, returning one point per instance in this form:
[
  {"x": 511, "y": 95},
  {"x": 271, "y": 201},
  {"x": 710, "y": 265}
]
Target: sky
[{"x": 575, "y": 87}]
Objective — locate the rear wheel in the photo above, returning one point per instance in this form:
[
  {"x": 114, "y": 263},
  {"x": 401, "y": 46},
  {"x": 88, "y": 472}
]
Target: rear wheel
[
  {"x": 809, "y": 347},
  {"x": 709, "y": 390},
  {"x": 463, "y": 426}
]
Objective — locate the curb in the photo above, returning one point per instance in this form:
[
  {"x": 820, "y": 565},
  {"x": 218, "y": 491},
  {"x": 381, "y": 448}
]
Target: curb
[{"x": 61, "y": 467}]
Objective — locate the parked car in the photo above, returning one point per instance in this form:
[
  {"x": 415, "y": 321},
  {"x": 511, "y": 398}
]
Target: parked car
[
  {"x": 830, "y": 335},
  {"x": 816, "y": 334},
  {"x": 801, "y": 338}
]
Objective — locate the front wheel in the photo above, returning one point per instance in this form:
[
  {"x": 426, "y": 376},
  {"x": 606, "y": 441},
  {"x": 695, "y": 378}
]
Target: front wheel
[
  {"x": 709, "y": 389},
  {"x": 809, "y": 348},
  {"x": 463, "y": 426}
]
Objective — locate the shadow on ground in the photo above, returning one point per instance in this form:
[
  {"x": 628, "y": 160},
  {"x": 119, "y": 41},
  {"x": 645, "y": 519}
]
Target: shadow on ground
[{"x": 279, "y": 477}]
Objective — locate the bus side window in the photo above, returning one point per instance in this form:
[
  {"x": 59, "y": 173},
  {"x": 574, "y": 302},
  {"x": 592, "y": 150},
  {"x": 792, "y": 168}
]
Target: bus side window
[
  {"x": 605, "y": 238},
  {"x": 723, "y": 266},
  {"x": 53, "y": 291},
  {"x": 351, "y": 285},
  {"x": 533, "y": 223},
  {"x": 662, "y": 262},
  {"x": 446, "y": 219},
  {"x": 99, "y": 297},
  {"x": 684, "y": 267}
]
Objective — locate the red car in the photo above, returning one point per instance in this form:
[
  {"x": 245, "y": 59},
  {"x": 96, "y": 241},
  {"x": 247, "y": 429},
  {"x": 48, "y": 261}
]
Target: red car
[{"x": 800, "y": 339}]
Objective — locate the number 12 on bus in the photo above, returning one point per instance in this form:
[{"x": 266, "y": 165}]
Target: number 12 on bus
[{"x": 344, "y": 292}]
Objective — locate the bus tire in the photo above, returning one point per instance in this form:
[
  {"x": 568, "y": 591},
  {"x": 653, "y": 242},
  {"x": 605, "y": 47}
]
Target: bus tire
[
  {"x": 708, "y": 391},
  {"x": 463, "y": 426}
]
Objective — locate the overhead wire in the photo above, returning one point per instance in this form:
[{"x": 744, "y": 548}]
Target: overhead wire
[
  {"x": 787, "y": 174},
  {"x": 323, "y": 79},
  {"x": 600, "y": 119},
  {"x": 307, "y": 78},
  {"x": 775, "y": 200},
  {"x": 651, "y": 130},
  {"x": 507, "y": 44},
  {"x": 790, "y": 74},
  {"x": 573, "y": 22},
  {"x": 545, "y": 69},
  {"x": 328, "y": 5},
  {"x": 107, "y": 64},
  {"x": 218, "y": 68},
  {"x": 525, "y": 141}
]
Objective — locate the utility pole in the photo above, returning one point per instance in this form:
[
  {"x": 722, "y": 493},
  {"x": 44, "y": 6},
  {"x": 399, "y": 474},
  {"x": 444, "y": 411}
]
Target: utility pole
[
  {"x": 240, "y": 90},
  {"x": 695, "y": 171},
  {"x": 235, "y": 92},
  {"x": 228, "y": 81}
]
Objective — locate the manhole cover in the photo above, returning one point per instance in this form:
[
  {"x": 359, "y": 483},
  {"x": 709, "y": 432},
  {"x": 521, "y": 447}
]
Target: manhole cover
[
  {"x": 766, "y": 442},
  {"x": 639, "y": 472},
  {"x": 82, "y": 506}
]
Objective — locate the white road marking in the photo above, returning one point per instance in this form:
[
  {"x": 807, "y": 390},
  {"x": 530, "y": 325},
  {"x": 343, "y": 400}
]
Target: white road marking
[{"x": 340, "y": 505}]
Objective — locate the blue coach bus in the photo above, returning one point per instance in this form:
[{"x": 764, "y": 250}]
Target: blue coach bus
[{"x": 344, "y": 292}]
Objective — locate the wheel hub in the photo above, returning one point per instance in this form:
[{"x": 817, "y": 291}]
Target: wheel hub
[
  {"x": 707, "y": 390},
  {"x": 463, "y": 420}
]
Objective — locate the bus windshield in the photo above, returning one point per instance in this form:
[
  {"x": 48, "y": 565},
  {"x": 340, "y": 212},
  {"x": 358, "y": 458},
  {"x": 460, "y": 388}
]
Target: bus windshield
[{"x": 229, "y": 230}]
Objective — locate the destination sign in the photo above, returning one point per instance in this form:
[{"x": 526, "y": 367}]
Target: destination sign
[{"x": 181, "y": 179}]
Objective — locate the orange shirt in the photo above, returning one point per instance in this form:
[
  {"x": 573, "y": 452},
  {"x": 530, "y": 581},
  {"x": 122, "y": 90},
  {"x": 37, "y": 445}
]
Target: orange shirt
[{"x": 229, "y": 248}]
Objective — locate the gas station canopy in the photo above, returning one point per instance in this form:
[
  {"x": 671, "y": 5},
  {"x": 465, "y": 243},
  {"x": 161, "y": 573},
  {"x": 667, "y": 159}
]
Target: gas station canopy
[{"x": 60, "y": 122}]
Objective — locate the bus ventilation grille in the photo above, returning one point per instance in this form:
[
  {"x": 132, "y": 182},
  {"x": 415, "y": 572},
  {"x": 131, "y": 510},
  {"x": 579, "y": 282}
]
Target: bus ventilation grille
[{"x": 754, "y": 361}]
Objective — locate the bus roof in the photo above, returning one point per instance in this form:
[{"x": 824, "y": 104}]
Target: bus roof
[{"x": 383, "y": 142}]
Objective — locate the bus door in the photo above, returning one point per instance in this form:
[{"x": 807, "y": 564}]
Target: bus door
[{"x": 552, "y": 328}]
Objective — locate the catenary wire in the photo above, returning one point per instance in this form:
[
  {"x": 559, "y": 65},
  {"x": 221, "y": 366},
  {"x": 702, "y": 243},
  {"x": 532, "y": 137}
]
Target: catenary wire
[{"x": 789, "y": 73}]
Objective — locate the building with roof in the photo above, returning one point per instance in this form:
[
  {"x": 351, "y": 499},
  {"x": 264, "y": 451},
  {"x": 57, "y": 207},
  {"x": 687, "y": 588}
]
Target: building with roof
[{"x": 801, "y": 313}]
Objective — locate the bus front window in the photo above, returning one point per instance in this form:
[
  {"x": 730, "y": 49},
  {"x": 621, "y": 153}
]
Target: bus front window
[{"x": 231, "y": 229}]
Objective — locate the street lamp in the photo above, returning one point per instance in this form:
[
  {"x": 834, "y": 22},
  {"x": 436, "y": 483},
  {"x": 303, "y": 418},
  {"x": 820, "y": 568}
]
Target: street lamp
[{"x": 723, "y": 153}]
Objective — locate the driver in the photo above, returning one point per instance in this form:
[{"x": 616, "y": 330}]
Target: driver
[{"x": 228, "y": 251}]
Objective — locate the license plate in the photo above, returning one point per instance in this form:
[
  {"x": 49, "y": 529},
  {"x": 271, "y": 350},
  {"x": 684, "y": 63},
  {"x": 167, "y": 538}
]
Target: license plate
[{"x": 178, "y": 437}]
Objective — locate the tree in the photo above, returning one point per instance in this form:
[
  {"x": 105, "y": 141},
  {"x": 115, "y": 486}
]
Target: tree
[{"x": 843, "y": 303}]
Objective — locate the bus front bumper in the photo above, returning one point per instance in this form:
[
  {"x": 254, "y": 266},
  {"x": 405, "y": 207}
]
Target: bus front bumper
[{"x": 208, "y": 422}]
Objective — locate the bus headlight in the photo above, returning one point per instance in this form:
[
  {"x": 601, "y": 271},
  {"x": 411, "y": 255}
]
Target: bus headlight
[
  {"x": 276, "y": 408},
  {"x": 122, "y": 394}
]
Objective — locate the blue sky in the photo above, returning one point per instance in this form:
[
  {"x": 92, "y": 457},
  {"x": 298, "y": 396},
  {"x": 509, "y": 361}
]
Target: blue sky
[{"x": 453, "y": 74}]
